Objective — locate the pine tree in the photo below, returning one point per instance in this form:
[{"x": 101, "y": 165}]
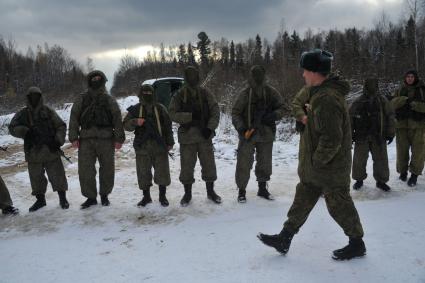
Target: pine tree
[
  {"x": 204, "y": 48},
  {"x": 232, "y": 59},
  {"x": 190, "y": 56},
  {"x": 239, "y": 55},
  {"x": 258, "y": 51},
  {"x": 181, "y": 54}
]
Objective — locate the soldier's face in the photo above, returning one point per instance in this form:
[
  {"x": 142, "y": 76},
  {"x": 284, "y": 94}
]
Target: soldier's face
[
  {"x": 410, "y": 79},
  {"x": 34, "y": 99},
  {"x": 308, "y": 77},
  {"x": 96, "y": 82}
]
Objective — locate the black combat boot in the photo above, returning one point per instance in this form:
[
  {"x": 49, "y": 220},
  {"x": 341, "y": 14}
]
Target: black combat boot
[
  {"x": 263, "y": 192},
  {"x": 355, "y": 248},
  {"x": 162, "y": 198},
  {"x": 211, "y": 193},
  {"x": 89, "y": 202},
  {"x": 403, "y": 176},
  {"x": 412, "y": 180},
  {"x": 383, "y": 186},
  {"x": 63, "y": 202},
  {"x": 104, "y": 200},
  {"x": 281, "y": 242},
  {"x": 146, "y": 198},
  {"x": 242, "y": 196},
  {"x": 39, "y": 203},
  {"x": 358, "y": 185},
  {"x": 10, "y": 210},
  {"x": 187, "y": 195}
]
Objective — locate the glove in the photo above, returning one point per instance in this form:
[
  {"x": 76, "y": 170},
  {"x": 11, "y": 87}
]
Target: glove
[
  {"x": 269, "y": 118},
  {"x": 206, "y": 133},
  {"x": 196, "y": 115},
  {"x": 389, "y": 140},
  {"x": 241, "y": 131}
]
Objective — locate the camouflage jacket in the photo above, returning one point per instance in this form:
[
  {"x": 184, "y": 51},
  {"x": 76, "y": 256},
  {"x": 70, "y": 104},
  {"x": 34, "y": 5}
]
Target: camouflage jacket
[
  {"x": 111, "y": 128},
  {"x": 245, "y": 109},
  {"x": 181, "y": 112},
  {"x": 325, "y": 144}
]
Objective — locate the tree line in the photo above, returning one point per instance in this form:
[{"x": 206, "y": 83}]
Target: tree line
[
  {"x": 49, "y": 67},
  {"x": 387, "y": 50}
]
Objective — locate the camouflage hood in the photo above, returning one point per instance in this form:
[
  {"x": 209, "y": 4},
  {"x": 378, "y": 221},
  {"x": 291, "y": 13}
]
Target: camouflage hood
[
  {"x": 342, "y": 87},
  {"x": 31, "y": 92},
  {"x": 142, "y": 97},
  {"x": 97, "y": 73}
]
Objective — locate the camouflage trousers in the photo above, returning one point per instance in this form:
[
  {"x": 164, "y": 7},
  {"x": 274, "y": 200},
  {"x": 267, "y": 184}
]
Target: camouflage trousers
[
  {"x": 55, "y": 173},
  {"x": 151, "y": 157},
  {"x": 189, "y": 154},
  {"x": 245, "y": 160},
  {"x": 92, "y": 150},
  {"x": 410, "y": 140},
  {"x": 338, "y": 201},
  {"x": 381, "y": 172},
  {"x": 5, "y": 199}
]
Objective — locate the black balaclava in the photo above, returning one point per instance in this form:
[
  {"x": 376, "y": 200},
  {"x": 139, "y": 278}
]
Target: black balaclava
[
  {"x": 371, "y": 87},
  {"x": 144, "y": 90},
  {"x": 34, "y": 99},
  {"x": 96, "y": 84},
  {"x": 258, "y": 74},
  {"x": 191, "y": 76}
]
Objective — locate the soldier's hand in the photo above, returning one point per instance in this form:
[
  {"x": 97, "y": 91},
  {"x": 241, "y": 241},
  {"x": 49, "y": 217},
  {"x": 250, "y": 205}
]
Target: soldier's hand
[
  {"x": 140, "y": 122},
  {"x": 304, "y": 120},
  {"x": 118, "y": 146},
  {"x": 206, "y": 133},
  {"x": 169, "y": 147},
  {"x": 390, "y": 140},
  {"x": 76, "y": 144}
]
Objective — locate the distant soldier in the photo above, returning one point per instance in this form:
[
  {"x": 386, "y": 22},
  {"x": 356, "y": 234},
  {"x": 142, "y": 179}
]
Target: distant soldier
[
  {"x": 96, "y": 129},
  {"x": 324, "y": 159},
  {"x": 254, "y": 116},
  {"x": 6, "y": 204},
  {"x": 299, "y": 108},
  {"x": 197, "y": 112},
  {"x": 153, "y": 140},
  {"x": 44, "y": 133},
  {"x": 372, "y": 125},
  {"x": 409, "y": 105}
]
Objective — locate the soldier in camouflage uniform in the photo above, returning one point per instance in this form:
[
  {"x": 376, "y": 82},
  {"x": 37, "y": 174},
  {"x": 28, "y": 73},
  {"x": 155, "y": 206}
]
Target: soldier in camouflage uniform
[
  {"x": 197, "y": 112},
  {"x": 409, "y": 105},
  {"x": 254, "y": 116},
  {"x": 153, "y": 140},
  {"x": 44, "y": 133},
  {"x": 96, "y": 129},
  {"x": 372, "y": 125},
  {"x": 324, "y": 159},
  {"x": 6, "y": 204}
]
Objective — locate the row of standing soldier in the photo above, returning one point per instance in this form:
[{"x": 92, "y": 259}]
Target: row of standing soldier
[{"x": 97, "y": 130}]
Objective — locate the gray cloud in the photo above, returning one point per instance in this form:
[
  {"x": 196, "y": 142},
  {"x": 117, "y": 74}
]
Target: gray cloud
[{"x": 85, "y": 27}]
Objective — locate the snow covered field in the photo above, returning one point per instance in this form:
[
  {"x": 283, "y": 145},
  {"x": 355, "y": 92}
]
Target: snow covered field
[{"x": 205, "y": 242}]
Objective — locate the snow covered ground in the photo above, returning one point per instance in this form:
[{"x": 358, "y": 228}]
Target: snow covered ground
[{"x": 205, "y": 242}]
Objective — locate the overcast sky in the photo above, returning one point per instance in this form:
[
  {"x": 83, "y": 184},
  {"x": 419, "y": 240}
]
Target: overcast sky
[{"x": 105, "y": 29}]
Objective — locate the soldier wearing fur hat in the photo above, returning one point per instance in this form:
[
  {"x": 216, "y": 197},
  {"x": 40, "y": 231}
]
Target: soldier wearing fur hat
[{"x": 324, "y": 159}]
